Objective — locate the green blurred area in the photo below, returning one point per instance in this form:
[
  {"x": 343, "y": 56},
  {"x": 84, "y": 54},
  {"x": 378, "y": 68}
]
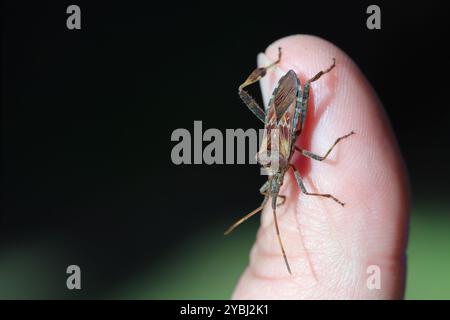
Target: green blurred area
[
  {"x": 428, "y": 275},
  {"x": 209, "y": 265}
]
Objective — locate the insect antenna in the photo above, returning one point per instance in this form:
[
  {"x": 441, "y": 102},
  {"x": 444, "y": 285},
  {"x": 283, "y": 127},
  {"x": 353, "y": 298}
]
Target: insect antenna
[
  {"x": 279, "y": 240},
  {"x": 248, "y": 215},
  {"x": 237, "y": 223}
]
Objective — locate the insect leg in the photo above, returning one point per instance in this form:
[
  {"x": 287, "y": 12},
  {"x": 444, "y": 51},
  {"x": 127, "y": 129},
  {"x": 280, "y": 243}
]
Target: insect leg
[
  {"x": 303, "y": 188},
  {"x": 264, "y": 187},
  {"x": 305, "y": 94},
  {"x": 260, "y": 72},
  {"x": 321, "y": 73},
  {"x": 311, "y": 155},
  {"x": 237, "y": 223},
  {"x": 255, "y": 76}
]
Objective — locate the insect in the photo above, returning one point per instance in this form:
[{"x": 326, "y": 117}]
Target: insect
[{"x": 283, "y": 123}]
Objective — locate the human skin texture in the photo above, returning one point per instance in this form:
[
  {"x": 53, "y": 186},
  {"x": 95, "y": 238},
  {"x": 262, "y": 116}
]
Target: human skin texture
[{"x": 330, "y": 248}]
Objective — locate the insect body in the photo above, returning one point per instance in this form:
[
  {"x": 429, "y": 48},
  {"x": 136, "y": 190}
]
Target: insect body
[{"x": 283, "y": 123}]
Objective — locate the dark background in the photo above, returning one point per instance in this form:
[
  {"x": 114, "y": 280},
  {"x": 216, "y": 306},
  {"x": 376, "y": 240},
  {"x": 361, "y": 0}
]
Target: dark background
[{"x": 87, "y": 118}]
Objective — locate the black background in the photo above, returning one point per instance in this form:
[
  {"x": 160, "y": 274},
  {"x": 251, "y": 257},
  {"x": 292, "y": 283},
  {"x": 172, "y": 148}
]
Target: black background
[{"x": 87, "y": 115}]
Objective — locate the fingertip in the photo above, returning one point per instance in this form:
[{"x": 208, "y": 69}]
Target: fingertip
[{"x": 365, "y": 170}]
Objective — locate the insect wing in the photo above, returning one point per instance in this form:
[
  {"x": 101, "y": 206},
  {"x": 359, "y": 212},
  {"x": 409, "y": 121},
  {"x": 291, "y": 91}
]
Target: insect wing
[
  {"x": 285, "y": 94},
  {"x": 280, "y": 115}
]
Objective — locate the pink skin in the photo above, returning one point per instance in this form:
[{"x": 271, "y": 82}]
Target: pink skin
[{"x": 330, "y": 247}]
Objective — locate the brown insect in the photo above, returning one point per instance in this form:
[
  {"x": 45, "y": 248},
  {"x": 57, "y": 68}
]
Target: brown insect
[{"x": 283, "y": 123}]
